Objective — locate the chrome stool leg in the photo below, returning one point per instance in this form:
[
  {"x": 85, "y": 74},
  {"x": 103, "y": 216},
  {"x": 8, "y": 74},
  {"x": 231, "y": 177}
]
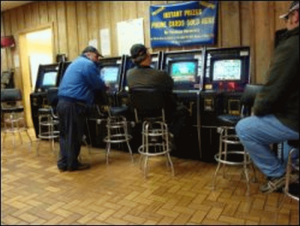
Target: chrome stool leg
[
  {"x": 246, "y": 172},
  {"x": 154, "y": 148},
  {"x": 227, "y": 138},
  {"x": 108, "y": 147},
  {"x": 117, "y": 132},
  {"x": 218, "y": 156},
  {"x": 47, "y": 131}
]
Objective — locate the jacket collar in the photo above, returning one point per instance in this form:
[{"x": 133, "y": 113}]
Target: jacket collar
[
  {"x": 143, "y": 66},
  {"x": 290, "y": 33}
]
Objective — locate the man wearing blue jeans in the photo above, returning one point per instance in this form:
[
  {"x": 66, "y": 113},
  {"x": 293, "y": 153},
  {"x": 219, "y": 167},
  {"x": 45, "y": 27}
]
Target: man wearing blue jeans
[{"x": 276, "y": 107}]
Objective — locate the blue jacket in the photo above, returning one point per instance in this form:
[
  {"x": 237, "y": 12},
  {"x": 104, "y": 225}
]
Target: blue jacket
[{"x": 81, "y": 81}]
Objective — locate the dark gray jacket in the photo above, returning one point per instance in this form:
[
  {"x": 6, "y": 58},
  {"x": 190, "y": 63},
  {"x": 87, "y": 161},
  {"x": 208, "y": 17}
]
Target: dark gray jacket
[
  {"x": 143, "y": 76},
  {"x": 280, "y": 95}
]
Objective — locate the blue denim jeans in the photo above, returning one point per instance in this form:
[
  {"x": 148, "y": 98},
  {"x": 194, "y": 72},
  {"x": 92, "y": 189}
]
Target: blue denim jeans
[{"x": 257, "y": 134}]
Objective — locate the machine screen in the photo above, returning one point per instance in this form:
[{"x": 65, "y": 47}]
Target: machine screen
[
  {"x": 183, "y": 71},
  {"x": 227, "y": 70},
  {"x": 110, "y": 74},
  {"x": 49, "y": 79}
]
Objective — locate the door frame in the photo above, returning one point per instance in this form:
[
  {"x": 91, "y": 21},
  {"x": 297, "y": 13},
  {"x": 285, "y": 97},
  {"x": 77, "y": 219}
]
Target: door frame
[{"x": 25, "y": 67}]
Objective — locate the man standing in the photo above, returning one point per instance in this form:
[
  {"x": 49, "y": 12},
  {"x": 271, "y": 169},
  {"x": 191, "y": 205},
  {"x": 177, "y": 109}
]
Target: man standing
[
  {"x": 276, "y": 108},
  {"x": 77, "y": 90}
]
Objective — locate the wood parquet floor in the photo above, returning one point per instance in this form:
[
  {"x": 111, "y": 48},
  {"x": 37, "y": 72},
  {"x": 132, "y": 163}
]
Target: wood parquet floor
[{"x": 34, "y": 192}]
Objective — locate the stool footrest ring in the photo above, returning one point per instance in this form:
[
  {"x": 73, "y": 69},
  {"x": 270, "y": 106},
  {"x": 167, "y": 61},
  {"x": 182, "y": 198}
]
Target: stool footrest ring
[{"x": 219, "y": 159}]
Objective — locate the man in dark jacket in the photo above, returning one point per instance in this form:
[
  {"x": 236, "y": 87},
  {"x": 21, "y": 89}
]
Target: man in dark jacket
[
  {"x": 144, "y": 76},
  {"x": 276, "y": 108},
  {"x": 80, "y": 85}
]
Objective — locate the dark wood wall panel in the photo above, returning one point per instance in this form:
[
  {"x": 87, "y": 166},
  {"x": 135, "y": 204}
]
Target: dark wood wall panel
[
  {"x": 240, "y": 23},
  {"x": 245, "y": 31},
  {"x": 72, "y": 30},
  {"x": 263, "y": 38},
  {"x": 116, "y": 15},
  {"x": 20, "y": 18},
  {"x": 104, "y": 8},
  {"x": 52, "y": 16},
  {"x": 82, "y": 24},
  {"x": 62, "y": 27},
  {"x": 14, "y": 30},
  {"x": 35, "y": 15},
  {"x": 230, "y": 18},
  {"x": 93, "y": 25},
  {"x": 4, "y": 66},
  {"x": 43, "y": 12},
  {"x": 143, "y": 12},
  {"x": 130, "y": 10},
  {"x": 7, "y": 31}
]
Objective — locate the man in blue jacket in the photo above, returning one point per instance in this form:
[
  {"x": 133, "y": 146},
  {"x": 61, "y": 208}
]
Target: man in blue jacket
[
  {"x": 276, "y": 107},
  {"x": 76, "y": 94}
]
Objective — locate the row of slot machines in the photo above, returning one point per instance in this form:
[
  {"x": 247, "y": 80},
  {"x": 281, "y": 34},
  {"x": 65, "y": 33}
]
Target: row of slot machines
[{"x": 208, "y": 81}]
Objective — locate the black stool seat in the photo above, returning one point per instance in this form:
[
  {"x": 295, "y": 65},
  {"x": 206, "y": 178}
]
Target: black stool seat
[
  {"x": 293, "y": 143},
  {"x": 120, "y": 110},
  {"x": 16, "y": 109},
  {"x": 229, "y": 119},
  {"x": 117, "y": 129},
  {"x": 12, "y": 112},
  {"x": 44, "y": 110}
]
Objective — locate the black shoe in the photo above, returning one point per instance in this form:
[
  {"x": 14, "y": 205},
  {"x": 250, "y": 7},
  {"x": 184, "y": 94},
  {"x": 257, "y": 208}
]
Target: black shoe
[
  {"x": 273, "y": 184},
  {"x": 81, "y": 166},
  {"x": 62, "y": 169}
]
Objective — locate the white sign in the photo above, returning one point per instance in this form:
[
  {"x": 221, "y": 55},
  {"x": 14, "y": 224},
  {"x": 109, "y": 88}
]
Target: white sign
[
  {"x": 129, "y": 32},
  {"x": 105, "y": 42}
]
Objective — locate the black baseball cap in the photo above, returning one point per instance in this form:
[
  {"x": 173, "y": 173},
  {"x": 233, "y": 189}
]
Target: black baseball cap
[
  {"x": 294, "y": 5},
  {"x": 91, "y": 49},
  {"x": 138, "y": 50}
]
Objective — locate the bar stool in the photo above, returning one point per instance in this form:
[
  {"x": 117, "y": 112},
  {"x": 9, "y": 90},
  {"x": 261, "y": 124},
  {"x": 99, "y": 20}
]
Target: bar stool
[
  {"x": 117, "y": 129},
  {"x": 13, "y": 114},
  {"x": 223, "y": 157},
  {"x": 149, "y": 108},
  {"x": 292, "y": 167},
  {"x": 155, "y": 142},
  {"x": 48, "y": 120},
  {"x": 229, "y": 137}
]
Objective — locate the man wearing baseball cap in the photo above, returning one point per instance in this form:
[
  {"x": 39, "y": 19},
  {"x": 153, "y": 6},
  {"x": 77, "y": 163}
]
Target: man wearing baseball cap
[
  {"x": 80, "y": 85},
  {"x": 276, "y": 108},
  {"x": 144, "y": 76}
]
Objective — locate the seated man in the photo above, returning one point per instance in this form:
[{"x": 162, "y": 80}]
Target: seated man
[
  {"x": 276, "y": 108},
  {"x": 144, "y": 76}
]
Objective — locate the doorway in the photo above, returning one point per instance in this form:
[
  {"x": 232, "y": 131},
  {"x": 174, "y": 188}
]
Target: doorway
[{"x": 36, "y": 47}]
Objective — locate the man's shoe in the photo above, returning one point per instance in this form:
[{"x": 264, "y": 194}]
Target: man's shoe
[
  {"x": 81, "y": 166},
  {"x": 62, "y": 169},
  {"x": 273, "y": 184}
]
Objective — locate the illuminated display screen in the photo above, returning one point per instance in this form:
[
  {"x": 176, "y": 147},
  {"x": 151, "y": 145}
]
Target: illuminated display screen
[
  {"x": 110, "y": 74},
  {"x": 224, "y": 70},
  {"x": 50, "y": 79},
  {"x": 183, "y": 71}
]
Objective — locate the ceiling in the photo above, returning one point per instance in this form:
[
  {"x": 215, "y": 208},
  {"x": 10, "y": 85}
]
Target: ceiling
[{"x": 5, "y": 5}]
